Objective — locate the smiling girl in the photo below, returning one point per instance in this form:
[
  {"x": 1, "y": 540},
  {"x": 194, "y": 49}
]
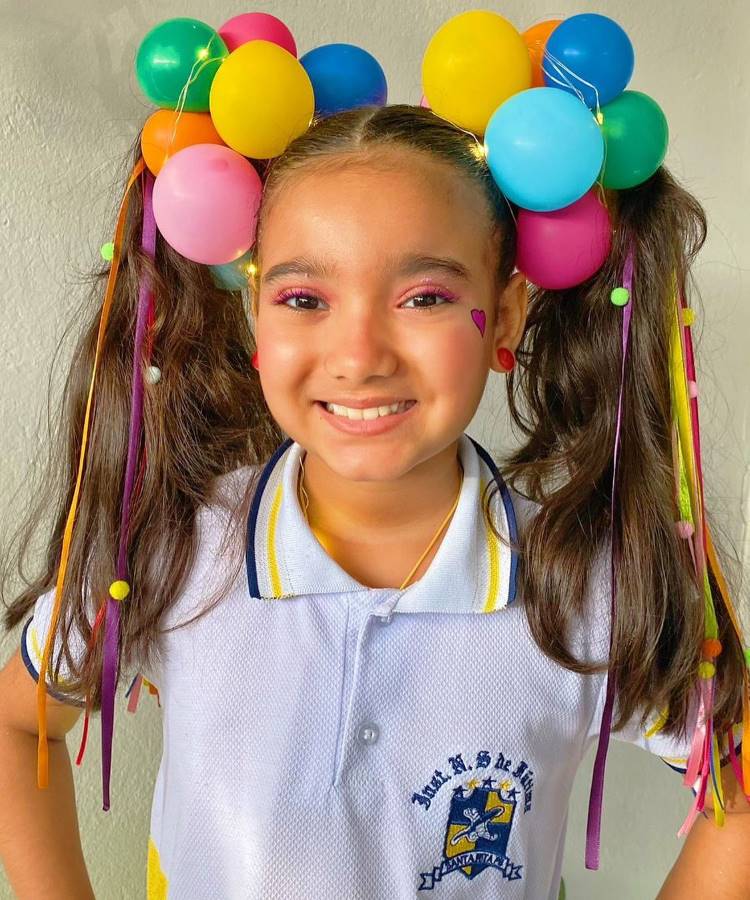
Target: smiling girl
[{"x": 404, "y": 656}]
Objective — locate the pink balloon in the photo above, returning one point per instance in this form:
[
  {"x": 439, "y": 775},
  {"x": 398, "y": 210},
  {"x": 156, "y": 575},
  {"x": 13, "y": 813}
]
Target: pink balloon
[
  {"x": 257, "y": 26},
  {"x": 206, "y": 200},
  {"x": 564, "y": 247}
]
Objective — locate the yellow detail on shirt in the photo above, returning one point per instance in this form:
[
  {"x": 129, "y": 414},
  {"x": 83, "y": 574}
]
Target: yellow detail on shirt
[
  {"x": 271, "y": 541},
  {"x": 156, "y": 880},
  {"x": 494, "y": 574}
]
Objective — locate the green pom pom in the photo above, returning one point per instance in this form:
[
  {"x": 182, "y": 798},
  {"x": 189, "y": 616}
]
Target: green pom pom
[
  {"x": 108, "y": 251},
  {"x": 619, "y": 296},
  {"x": 747, "y": 656}
]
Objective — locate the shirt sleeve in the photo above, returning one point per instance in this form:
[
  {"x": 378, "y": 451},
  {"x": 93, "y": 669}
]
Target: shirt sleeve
[
  {"x": 673, "y": 749},
  {"x": 593, "y": 637},
  {"x": 33, "y": 640}
]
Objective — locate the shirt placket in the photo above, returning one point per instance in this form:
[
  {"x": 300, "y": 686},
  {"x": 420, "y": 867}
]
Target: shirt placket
[{"x": 362, "y": 724}]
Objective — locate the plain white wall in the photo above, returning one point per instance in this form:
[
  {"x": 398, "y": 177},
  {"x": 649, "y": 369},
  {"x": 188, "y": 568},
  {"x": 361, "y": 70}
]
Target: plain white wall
[{"x": 70, "y": 106}]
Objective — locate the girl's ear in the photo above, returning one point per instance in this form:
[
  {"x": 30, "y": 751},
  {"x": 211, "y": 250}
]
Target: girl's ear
[{"x": 511, "y": 317}]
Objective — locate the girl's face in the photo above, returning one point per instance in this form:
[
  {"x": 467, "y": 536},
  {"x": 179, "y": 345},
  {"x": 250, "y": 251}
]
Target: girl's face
[{"x": 375, "y": 282}]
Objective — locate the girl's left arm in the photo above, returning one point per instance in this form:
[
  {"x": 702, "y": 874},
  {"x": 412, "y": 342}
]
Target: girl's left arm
[{"x": 715, "y": 862}]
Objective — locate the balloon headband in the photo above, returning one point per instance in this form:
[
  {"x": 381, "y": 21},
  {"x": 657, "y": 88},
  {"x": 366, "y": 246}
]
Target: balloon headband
[
  {"x": 547, "y": 104},
  {"x": 557, "y": 126}
]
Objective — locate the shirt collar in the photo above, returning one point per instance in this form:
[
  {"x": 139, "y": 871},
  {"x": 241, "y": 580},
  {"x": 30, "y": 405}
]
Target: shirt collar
[{"x": 472, "y": 571}]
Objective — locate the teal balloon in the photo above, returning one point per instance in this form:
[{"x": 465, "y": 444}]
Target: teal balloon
[
  {"x": 232, "y": 276},
  {"x": 544, "y": 148},
  {"x": 636, "y": 136},
  {"x": 175, "y": 52}
]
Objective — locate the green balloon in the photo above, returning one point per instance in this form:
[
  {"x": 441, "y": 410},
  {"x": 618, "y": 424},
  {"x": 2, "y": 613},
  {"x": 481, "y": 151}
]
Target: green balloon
[
  {"x": 635, "y": 136},
  {"x": 172, "y": 53}
]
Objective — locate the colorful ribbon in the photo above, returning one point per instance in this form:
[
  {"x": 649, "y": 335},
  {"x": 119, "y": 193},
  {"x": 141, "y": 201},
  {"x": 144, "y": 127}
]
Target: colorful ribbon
[
  {"x": 112, "y": 616},
  {"x": 594, "y": 821},
  {"x": 42, "y": 751}
]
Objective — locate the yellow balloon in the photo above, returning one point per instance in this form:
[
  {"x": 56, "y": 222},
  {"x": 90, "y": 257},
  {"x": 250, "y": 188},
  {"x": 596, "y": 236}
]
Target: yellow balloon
[
  {"x": 261, "y": 99},
  {"x": 473, "y": 63}
]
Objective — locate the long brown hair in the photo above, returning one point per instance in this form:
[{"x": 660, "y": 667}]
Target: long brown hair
[{"x": 207, "y": 417}]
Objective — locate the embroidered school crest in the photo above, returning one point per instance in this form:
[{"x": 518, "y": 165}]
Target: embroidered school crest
[{"x": 481, "y": 813}]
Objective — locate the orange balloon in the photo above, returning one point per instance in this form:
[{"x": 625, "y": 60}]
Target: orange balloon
[
  {"x": 536, "y": 40},
  {"x": 158, "y": 144}
]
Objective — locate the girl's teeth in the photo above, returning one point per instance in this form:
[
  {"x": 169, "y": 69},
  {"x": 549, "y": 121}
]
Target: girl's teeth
[{"x": 367, "y": 414}]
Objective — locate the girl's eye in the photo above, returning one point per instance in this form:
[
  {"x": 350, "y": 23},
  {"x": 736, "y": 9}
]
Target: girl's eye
[
  {"x": 295, "y": 295},
  {"x": 437, "y": 294},
  {"x": 284, "y": 296}
]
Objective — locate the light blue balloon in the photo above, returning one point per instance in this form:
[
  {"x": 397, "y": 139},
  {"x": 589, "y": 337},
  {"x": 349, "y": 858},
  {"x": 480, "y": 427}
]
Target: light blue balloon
[
  {"x": 344, "y": 76},
  {"x": 232, "y": 276},
  {"x": 544, "y": 149}
]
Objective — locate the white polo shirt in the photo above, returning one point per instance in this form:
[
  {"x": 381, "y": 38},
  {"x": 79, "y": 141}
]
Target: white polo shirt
[{"x": 326, "y": 739}]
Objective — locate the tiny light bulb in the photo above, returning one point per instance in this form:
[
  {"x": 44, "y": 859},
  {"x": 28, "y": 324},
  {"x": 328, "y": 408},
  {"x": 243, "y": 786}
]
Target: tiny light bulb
[
  {"x": 203, "y": 53},
  {"x": 251, "y": 269},
  {"x": 479, "y": 151},
  {"x": 600, "y": 117}
]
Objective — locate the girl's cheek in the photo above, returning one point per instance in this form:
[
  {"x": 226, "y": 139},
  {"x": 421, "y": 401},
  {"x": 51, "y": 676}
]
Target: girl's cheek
[{"x": 455, "y": 351}]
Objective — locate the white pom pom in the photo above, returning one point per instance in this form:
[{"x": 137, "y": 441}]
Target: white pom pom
[{"x": 153, "y": 375}]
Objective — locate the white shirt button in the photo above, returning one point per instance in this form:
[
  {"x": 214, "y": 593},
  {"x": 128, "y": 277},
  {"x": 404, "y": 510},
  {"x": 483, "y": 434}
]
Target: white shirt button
[
  {"x": 386, "y": 620},
  {"x": 367, "y": 733}
]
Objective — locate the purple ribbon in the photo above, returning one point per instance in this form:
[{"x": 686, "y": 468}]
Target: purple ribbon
[
  {"x": 112, "y": 616},
  {"x": 594, "y": 822}
]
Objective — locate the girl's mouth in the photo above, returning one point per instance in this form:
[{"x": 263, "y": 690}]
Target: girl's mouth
[{"x": 373, "y": 426}]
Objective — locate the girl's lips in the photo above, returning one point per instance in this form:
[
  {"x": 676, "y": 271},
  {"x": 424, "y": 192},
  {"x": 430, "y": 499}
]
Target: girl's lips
[{"x": 370, "y": 427}]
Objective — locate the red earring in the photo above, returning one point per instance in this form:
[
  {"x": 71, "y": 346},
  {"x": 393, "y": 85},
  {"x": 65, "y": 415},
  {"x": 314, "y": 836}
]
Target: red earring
[
  {"x": 506, "y": 358},
  {"x": 254, "y": 360}
]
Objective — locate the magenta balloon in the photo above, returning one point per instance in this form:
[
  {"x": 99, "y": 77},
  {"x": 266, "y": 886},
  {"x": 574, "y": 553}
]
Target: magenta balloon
[
  {"x": 206, "y": 200},
  {"x": 564, "y": 247},
  {"x": 257, "y": 26}
]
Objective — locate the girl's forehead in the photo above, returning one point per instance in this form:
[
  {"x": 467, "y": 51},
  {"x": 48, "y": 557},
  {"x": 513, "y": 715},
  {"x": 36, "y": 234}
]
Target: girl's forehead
[{"x": 385, "y": 200}]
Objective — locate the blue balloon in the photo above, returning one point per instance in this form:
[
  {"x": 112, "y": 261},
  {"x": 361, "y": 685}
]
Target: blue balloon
[
  {"x": 232, "y": 276},
  {"x": 344, "y": 76},
  {"x": 544, "y": 149},
  {"x": 592, "y": 48}
]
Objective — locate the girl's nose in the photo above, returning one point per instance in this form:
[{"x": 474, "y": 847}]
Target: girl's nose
[{"x": 360, "y": 343}]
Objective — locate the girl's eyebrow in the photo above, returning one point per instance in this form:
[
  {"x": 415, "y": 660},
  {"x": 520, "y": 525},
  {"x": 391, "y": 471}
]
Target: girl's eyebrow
[{"x": 409, "y": 264}]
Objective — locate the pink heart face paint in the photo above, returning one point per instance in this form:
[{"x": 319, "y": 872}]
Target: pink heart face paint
[{"x": 480, "y": 319}]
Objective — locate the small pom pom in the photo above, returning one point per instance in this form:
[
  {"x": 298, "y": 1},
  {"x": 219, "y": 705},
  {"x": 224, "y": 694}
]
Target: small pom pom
[
  {"x": 688, "y": 316},
  {"x": 108, "y": 251},
  {"x": 119, "y": 590},
  {"x": 684, "y": 529},
  {"x": 692, "y": 389},
  {"x": 153, "y": 375},
  {"x": 619, "y": 296},
  {"x": 711, "y": 648},
  {"x": 706, "y": 670},
  {"x": 747, "y": 656}
]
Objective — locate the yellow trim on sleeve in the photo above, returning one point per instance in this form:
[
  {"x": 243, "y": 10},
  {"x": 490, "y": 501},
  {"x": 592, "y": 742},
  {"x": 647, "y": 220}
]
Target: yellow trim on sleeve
[{"x": 38, "y": 655}]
